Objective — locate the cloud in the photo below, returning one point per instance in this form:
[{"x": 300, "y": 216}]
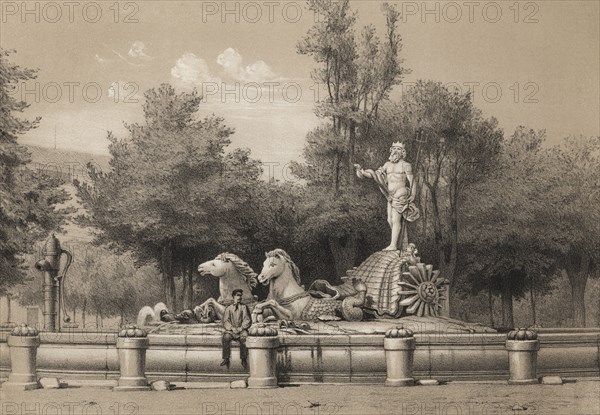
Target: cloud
[
  {"x": 190, "y": 71},
  {"x": 121, "y": 57},
  {"x": 137, "y": 50},
  {"x": 231, "y": 62},
  {"x": 259, "y": 71}
]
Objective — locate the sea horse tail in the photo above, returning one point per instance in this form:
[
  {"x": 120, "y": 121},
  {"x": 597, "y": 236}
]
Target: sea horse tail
[{"x": 352, "y": 306}]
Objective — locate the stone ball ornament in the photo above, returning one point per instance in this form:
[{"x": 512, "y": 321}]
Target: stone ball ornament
[
  {"x": 24, "y": 330},
  {"x": 132, "y": 331},
  {"x": 522, "y": 334},
  {"x": 262, "y": 330},
  {"x": 399, "y": 333}
]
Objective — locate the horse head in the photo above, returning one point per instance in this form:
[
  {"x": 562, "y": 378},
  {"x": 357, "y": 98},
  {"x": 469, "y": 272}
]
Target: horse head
[
  {"x": 232, "y": 272},
  {"x": 217, "y": 267},
  {"x": 275, "y": 264}
]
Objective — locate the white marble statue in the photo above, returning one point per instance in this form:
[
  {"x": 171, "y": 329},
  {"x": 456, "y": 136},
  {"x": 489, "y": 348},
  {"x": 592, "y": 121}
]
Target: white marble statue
[{"x": 395, "y": 180}]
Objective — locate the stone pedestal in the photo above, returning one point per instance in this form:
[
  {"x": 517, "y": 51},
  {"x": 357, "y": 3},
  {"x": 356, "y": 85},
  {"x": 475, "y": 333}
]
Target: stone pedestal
[
  {"x": 522, "y": 346},
  {"x": 262, "y": 344},
  {"x": 23, "y": 343},
  {"x": 399, "y": 345},
  {"x": 131, "y": 345}
]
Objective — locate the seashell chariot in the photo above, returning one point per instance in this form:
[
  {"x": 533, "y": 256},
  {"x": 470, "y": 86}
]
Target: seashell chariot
[{"x": 397, "y": 285}]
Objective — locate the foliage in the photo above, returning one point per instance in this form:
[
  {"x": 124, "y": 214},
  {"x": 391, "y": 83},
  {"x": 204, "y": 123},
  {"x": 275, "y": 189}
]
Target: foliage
[
  {"x": 576, "y": 186},
  {"x": 506, "y": 225},
  {"x": 358, "y": 73},
  {"x": 28, "y": 199},
  {"x": 99, "y": 282},
  {"x": 173, "y": 194},
  {"x": 576, "y": 209},
  {"x": 457, "y": 149}
]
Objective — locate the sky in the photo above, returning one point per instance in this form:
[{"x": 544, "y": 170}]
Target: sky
[{"x": 532, "y": 63}]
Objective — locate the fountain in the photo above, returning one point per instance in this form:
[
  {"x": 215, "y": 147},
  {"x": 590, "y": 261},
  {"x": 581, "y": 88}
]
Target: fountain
[{"x": 390, "y": 310}]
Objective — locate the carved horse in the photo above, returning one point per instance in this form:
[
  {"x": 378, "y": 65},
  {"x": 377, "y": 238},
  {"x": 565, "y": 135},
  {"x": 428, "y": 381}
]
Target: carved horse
[
  {"x": 288, "y": 300},
  {"x": 233, "y": 273}
]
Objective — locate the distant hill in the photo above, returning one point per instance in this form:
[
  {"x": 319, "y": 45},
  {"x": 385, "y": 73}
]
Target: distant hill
[{"x": 67, "y": 163}]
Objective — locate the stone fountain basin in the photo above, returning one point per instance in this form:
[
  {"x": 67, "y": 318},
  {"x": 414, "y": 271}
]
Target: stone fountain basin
[
  {"x": 336, "y": 352},
  {"x": 421, "y": 325}
]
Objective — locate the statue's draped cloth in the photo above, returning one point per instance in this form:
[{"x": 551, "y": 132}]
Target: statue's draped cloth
[{"x": 408, "y": 210}]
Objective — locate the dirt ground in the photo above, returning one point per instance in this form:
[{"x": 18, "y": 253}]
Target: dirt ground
[{"x": 581, "y": 397}]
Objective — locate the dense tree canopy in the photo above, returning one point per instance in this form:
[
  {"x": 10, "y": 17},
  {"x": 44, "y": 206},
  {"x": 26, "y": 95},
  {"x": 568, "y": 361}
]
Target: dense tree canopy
[
  {"x": 576, "y": 213},
  {"x": 175, "y": 196},
  {"x": 28, "y": 199},
  {"x": 358, "y": 73},
  {"x": 507, "y": 245}
]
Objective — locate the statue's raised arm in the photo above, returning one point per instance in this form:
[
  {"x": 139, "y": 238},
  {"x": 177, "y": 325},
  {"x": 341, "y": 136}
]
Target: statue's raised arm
[
  {"x": 395, "y": 181},
  {"x": 369, "y": 173}
]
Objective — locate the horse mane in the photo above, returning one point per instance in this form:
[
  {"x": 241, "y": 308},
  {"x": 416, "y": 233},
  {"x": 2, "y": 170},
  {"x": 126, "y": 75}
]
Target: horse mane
[
  {"x": 241, "y": 266},
  {"x": 280, "y": 253}
]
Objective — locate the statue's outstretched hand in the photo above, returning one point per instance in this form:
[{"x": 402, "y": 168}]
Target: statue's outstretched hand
[{"x": 357, "y": 167}]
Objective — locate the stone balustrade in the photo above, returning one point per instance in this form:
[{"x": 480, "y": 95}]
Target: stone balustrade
[{"x": 339, "y": 358}]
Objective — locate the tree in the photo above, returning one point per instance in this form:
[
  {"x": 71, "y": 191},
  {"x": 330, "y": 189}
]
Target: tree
[
  {"x": 172, "y": 193},
  {"x": 29, "y": 200},
  {"x": 457, "y": 149},
  {"x": 575, "y": 186},
  {"x": 98, "y": 282},
  {"x": 358, "y": 75},
  {"x": 507, "y": 244}
]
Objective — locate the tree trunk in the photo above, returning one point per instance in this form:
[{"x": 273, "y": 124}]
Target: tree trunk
[
  {"x": 351, "y": 148},
  {"x": 507, "y": 303},
  {"x": 448, "y": 267},
  {"x": 83, "y": 312},
  {"x": 343, "y": 251},
  {"x": 188, "y": 284},
  {"x": 8, "y": 309},
  {"x": 532, "y": 298},
  {"x": 168, "y": 281},
  {"x": 491, "y": 307},
  {"x": 423, "y": 205},
  {"x": 578, "y": 270},
  {"x": 447, "y": 270},
  {"x": 336, "y": 184},
  {"x": 438, "y": 237}
]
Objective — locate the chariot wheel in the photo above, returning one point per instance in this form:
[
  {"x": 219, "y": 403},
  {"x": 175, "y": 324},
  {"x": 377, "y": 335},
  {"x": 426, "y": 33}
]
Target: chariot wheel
[{"x": 423, "y": 290}]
